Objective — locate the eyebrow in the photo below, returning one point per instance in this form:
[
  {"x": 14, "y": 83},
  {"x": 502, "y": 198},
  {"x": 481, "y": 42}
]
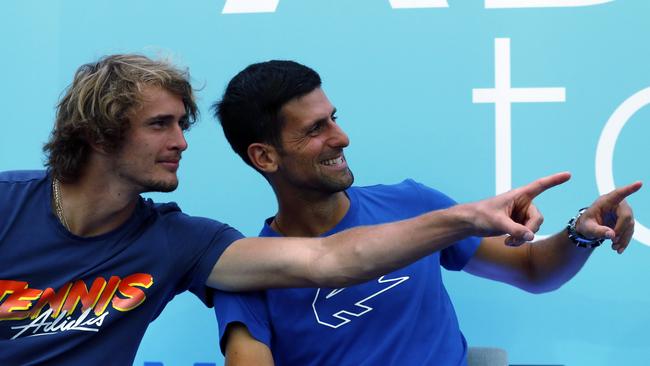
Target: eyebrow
[
  {"x": 164, "y": 117},
  {"x": 320, "y": 120}
]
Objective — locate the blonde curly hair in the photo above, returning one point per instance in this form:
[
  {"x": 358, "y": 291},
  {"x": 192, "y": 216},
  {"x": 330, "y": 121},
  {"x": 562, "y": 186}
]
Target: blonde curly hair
[{"x": 94, "y": 108}]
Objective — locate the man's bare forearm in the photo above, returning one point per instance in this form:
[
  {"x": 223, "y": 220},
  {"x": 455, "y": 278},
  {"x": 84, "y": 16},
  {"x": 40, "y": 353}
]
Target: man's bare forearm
[
  {"x": 554, "y": 261},
  {"x": 343, "y": 259},
  {"x": 362, "y": 253},
  {"x": 549, "y": 263}
]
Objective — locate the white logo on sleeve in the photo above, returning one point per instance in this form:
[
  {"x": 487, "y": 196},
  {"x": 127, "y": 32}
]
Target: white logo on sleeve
[{"x": 333, "y": 311}]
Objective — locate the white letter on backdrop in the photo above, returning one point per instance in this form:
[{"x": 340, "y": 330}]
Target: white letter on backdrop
[
  {"x": 410, "y": 4},
  {"x": 503, "y": 95},
  {"x": 509, "y": 4},
  {"x": 249, "y": 6}
]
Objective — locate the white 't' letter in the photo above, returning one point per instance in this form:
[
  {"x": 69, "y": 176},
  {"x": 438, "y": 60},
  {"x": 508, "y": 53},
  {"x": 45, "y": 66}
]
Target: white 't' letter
[{"x": 503, "y": 95}]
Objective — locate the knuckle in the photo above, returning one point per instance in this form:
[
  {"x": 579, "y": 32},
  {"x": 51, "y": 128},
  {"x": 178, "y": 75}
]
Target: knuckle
[{"x": 627, "y": 220}]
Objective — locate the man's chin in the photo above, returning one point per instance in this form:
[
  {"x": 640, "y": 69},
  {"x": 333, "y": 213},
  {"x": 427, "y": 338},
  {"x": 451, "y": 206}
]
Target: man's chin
[
  {"x": 159, "y": 186},
  {"x": 341, "y": 184}
]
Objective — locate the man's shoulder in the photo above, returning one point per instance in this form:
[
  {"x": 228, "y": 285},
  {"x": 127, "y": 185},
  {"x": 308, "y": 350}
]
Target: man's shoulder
[
  {"x": 406, "y": 187},
  {"x": 18, "y": 185},
  {"x": 163, "y": 208},
  {"x": 170, "y": 211},
  {"x": 407, "y": 192},
  {"x": 177, "y": 221},
  {"x": 21, "y": 176},
  {"x": 406, "y": 183}
]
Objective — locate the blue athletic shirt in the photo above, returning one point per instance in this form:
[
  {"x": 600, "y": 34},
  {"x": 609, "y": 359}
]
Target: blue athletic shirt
[
  {"x": 69, "y": 300},
  {"x": 402, "y": 318}
]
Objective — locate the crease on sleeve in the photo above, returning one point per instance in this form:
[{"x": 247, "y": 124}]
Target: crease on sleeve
[{"x": 247, "y": 308}]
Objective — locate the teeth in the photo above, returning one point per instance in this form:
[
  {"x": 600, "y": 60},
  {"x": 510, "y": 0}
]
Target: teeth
[{"x": 335, "y": 161}]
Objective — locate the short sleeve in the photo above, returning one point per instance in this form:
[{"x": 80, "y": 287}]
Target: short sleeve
[
  {"x": 197, "y": 244},
  {"x": 247, "y": 308},
  {"x": 456, "y": 256},
  {"x": 223, "y": 237}
]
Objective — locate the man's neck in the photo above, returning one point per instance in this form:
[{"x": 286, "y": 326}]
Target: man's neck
[
  {"x": 310, "y": 216},
  {"x": 92, "y": 206}
]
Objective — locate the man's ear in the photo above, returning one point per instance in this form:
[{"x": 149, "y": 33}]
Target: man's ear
[
  {"x": 264, "y": 157},
  {"x": 99, "y": 148}
]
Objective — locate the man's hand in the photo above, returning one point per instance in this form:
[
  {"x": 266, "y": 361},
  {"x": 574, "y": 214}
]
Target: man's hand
[
  {"x": 610, "y": 217},
  {"x": 513, "y": 212}
]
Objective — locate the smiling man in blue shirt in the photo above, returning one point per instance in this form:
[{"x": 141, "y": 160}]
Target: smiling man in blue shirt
[{"x": 278, "y": 119}]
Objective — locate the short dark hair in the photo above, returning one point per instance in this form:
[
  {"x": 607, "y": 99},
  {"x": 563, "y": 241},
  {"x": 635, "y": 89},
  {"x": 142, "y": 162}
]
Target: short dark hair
[
  {"x": 94, "y": 108},
  {"x": 249, "y": 111}
]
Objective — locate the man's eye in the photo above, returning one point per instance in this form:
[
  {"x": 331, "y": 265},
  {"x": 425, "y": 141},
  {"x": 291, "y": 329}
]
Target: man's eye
[
  {"x": 316, "y": 129},
  {"x": 334, "y": 117}
]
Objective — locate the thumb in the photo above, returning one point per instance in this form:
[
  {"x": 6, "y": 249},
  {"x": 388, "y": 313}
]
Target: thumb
[
  {"x": 518, "y": 233},
  {"x": 592, "y": 230}
]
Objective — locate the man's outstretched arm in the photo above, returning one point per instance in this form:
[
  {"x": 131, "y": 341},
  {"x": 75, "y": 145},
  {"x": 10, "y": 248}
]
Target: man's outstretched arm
[
  {"x": 548, "y": 264},
  {"x": 357, "y": 255}
]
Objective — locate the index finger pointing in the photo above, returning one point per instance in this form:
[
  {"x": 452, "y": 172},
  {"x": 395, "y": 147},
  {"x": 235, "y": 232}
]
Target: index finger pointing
[
  {"x": 616, "y": 196},
  {"x": 540, "y": 185}
]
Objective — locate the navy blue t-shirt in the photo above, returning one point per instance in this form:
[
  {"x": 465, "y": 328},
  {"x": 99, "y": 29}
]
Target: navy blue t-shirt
[
  {"x": 71, "y": 300},
  {"x": 402, "y": 318}
]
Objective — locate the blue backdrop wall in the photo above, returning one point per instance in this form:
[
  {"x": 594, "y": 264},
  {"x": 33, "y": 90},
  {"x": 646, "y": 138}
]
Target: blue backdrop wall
[{"x": 469, "y": 97}]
